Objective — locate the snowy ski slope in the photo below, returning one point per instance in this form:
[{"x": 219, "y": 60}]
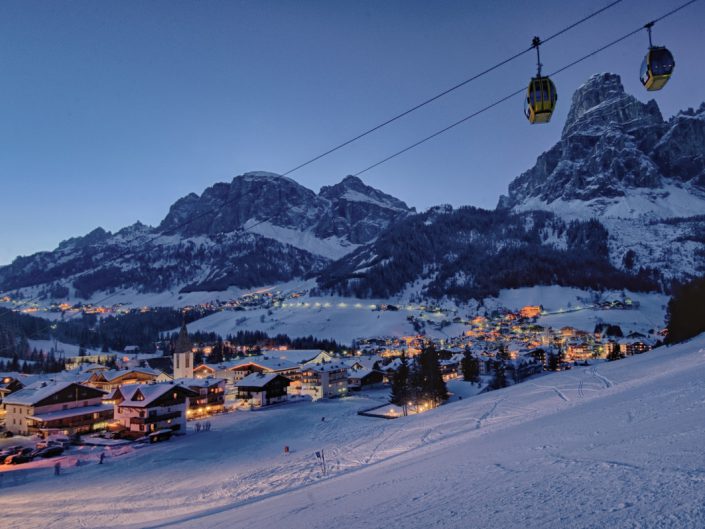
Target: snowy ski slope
[{"x": 613, "y": 445}]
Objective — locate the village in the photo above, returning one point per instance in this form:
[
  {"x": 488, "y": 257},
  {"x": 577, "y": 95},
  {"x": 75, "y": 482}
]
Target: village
[{"x": 110, "y": 399}]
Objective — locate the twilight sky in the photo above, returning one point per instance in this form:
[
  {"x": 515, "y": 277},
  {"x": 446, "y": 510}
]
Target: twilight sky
[{"x": 111, "y": 110}]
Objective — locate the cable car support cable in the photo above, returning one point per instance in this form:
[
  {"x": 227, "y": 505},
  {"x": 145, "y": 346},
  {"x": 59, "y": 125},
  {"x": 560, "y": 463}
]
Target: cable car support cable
[
  {"x": 449, "y": 90},
  {"x": 520, "y": 91}
]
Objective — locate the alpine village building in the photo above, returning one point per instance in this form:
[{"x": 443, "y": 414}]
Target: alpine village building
[
  {"x": 56, "y": 407},
  {"x": 141, "y": 409},
  {"x": 261, "y": 389}
]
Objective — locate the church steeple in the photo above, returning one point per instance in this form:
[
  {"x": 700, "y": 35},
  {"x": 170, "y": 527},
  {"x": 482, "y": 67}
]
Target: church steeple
[
  {"x": 183, "y": 342},
  {"x": 183, "y": 354}
]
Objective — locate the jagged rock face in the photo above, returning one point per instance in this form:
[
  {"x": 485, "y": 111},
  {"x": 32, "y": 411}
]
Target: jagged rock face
[
  {"x": 349, "y": 209},
  {"x": 619, "y": 161},
  {"x": 601, "y": 103},
  {"x": 611, "y": 144},
  {"x": 224, "y": 207},
  {"x": 259, "y": 229},
  {"x": 680, "y": 153},
  {"x": 358, "y": 212}
]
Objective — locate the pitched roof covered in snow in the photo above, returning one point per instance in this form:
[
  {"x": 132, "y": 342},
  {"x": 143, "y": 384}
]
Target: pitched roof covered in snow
[
  {"x": 198, "y": 382},
  {"x": 115, "y": 374},
  {"x": 320, "y": 368},
  {"x": 142, "y": 395},
  {"x": 256, "y": 380},
  {"x": 265, "y": 362},
  {"x": 297, "y": 356},
  {"x": 41, "y": 390}
]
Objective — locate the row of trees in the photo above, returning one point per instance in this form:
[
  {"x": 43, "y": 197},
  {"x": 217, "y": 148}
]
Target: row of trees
[
  {"x": 474, "y": 253},
  {"x": 419, "y": 382},
  {"x": 686, "y": 311},
  {"x": 35, "y": 362}
]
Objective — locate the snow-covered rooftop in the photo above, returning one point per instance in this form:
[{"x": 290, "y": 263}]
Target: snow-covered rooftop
[
  {"x": 256, "y": 380},
  {"x": 35, "y": 392},
  {"x": 149, "y": 393}
]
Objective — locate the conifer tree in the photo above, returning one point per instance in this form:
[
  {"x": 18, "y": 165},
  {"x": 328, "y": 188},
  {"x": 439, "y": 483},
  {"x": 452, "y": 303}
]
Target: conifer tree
[
  {"x": 401, "y": 391},
  {"x": 499, "y": 380},
  {"x": 471, "y": 368},
  {"x": 685, "y": 311},
  {"x": 431, "y": 384}
]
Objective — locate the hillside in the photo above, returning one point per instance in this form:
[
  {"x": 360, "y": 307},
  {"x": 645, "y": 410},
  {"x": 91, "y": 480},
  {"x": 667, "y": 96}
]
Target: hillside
[
  {"x": 642, "y": 176},
  {"x": 259, "y": 229},
  {"x": 616, "y": 445},
  {"x": 470, "y": 253}
]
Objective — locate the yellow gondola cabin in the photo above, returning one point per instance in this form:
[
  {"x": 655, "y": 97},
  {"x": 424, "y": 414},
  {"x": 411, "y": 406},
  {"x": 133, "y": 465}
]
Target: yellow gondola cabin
[
  {"x": 657, "y": 68},
  {"x": 541, "y": 97}
]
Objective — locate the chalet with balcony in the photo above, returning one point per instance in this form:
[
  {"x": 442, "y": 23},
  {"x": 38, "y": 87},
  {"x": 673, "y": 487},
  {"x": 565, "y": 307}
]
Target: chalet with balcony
[
  {"x": 144, "y": 408},
  {"x": 112, "y": 379},
  {"x": 324, "y": 381},
  {"x": 210, "y": 399},
  {"x": 359, "y": 377},
  {"x": 56, "y": 407},
  {"x": 264, "y": 364},
  {"x": 632, "y": 346},
  {"x": 261, "y": 389}
]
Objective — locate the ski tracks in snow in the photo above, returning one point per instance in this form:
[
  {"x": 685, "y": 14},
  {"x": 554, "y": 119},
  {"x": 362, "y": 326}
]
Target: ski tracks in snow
[{"x": 606, "y": 381}]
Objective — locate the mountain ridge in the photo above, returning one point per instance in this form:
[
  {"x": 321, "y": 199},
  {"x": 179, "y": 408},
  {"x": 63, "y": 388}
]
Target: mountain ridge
[
  {"x": 619, "y": 161},
  {"x": 619, "y": 198},
  {"x": 259, "y": 228}
]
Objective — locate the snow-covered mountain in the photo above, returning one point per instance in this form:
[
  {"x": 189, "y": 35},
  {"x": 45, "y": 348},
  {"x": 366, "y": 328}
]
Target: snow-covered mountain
[
  {"x": 642, "y": 177},
  {"x": 470, "y": 253},
  {"x": 620, "y": 199},
  {"x": 259, "y": 229},
  {"x": 618, "y": 202}
]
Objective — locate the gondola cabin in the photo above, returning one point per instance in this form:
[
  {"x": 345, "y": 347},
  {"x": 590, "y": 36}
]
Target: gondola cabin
[
  {"x": 541, "y": 97},
  {"x": 657, "y": 68}
]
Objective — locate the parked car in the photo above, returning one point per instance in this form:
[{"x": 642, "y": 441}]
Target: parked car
[
  {"x": 23, "y": 456},
  {"x": 9, "y": 451},
  {"x": 49, "y": 451},
  {"x": 61, "y": 441},
  {"x": 6, "y": 434},
  {"x": 155, "y": 437}
]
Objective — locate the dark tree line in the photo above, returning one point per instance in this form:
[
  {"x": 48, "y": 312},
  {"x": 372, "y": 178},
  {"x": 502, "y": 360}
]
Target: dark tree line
[
  {"x": 686, "y": 311},
  {"x": 475, "y": 253},
  {"x": 33, "y": 362},
  {"x": 142, "y": 329},
  {"x": 420, "y": 382}
]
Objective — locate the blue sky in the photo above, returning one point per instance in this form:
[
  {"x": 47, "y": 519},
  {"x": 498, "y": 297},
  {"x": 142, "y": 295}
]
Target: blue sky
[{"x": 110, "y": 111}]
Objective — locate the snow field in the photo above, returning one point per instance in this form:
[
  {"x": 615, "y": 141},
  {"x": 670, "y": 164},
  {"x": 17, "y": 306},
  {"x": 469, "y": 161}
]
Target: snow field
[{"x": 619, "y": 445}]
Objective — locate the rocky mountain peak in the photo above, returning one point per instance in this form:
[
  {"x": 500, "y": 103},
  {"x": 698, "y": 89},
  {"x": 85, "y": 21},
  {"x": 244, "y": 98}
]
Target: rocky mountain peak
[
  {"x": 619, "y": 161},
  {"x": 602, "y": 102},
  {"x": 95, "y": 236},
  {"x": 353, "y": 189},
  {"x": 258, "y": 229}
]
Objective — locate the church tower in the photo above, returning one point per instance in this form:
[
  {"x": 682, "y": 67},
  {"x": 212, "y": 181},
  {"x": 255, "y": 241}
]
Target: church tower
[{"x": 183, "y": 355}]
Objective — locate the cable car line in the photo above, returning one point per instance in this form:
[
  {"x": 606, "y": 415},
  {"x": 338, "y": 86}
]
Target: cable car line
[
  {"x": 420, "y": 142},
  {"x": 449, "y": 90},
  {"x": 389, "y": 121},
  {"x": 517, "y": 92}
]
